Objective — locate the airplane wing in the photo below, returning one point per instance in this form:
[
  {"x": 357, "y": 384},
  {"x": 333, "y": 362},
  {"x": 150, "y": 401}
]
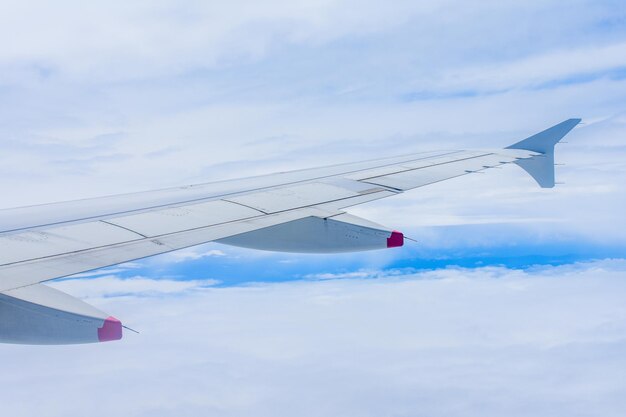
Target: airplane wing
[{"x": 298, "y": 211}]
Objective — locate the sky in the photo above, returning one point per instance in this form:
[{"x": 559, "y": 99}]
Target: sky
[{"x": 510, "y": 302}]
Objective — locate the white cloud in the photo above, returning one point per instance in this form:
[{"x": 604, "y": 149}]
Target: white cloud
[
  {"x": 537, "y": 70},
  {"x": 344, "y": 275},
  {"x": 121, "y": 41},
  {"x": 360, "y": 274},
  {"x": 192, "y": 254},
  {"x": 452, "y": 342},
  {"x": 113, "y": 286},
  {"x": 124, "y": 267}
]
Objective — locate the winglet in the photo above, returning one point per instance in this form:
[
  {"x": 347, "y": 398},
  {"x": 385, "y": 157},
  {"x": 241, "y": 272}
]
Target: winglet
[
  {"x": 544, "y": 141},
  {"x": 541, "y": 167}
]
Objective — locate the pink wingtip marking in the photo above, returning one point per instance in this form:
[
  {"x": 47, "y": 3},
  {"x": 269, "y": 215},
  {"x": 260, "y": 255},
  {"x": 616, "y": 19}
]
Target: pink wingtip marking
[
  {"x": 110, "y": 330},
  {"x": 395, "y": 240}
]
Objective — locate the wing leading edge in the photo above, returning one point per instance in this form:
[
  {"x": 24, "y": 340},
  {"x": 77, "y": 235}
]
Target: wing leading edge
[{"x": 298, "y": 211}]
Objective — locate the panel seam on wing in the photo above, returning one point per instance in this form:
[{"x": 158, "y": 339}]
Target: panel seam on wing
[{"x": 124, "y": 228}]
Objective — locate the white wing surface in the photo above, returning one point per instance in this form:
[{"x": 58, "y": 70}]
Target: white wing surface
[{"x": 299, "y": 211}]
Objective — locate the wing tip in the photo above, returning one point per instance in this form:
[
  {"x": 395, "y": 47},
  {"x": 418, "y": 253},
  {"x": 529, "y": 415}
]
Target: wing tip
[{"x": 544, "y": 141}]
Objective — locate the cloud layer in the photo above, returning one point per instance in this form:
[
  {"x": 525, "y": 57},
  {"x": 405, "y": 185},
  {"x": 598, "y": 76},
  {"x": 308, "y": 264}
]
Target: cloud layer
[{"x": 455, "y": 342}]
